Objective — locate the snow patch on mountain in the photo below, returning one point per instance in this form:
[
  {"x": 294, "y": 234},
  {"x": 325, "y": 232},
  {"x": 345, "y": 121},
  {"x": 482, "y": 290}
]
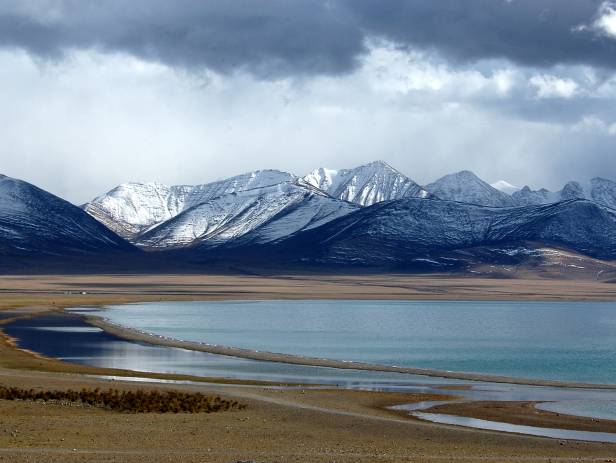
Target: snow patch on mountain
[
  {"x": 528, "y": 197},
  {"x": 466, "y": 187},
  {"x": 572, "y": 190},
  {"x": 505, "y": 187},
  {"x": 599, "y": 190},
  {"x": 603, "y": 191},
  {"x": 133, "y": 208},
  {"x": 267, "y": 214},
  {"x": 365, "y": 185}
]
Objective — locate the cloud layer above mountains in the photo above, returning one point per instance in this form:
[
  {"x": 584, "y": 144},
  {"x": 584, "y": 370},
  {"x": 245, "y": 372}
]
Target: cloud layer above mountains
[
  {"x": 308, "y": 37},
  {"x": 97, "y": 93}
]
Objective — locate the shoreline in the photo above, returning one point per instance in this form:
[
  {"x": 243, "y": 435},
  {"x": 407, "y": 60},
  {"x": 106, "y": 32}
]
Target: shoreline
[
  {"x": 523, "y": 413},
  {"x": 344, "y": 425},
  {"x": 134, "y": 335},
  {"x": 476, "y": 408}
]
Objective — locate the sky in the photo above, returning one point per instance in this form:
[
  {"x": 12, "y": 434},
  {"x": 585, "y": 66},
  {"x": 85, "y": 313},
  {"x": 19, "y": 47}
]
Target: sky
[{"x": 98, "y": 93}]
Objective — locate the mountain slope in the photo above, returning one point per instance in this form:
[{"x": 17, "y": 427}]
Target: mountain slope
[
  {"x": 409, "y": 230},
  {"x": 365, "y": 185},
  {"x": 466, "y": 187},
  {"x": 133, "y": 208},
  {"x": 258, "y": 215},
  {"x": 35, "y": 222}
]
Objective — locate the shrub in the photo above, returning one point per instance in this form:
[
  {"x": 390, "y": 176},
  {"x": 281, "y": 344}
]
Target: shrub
[{"x": 128, "y": 401}]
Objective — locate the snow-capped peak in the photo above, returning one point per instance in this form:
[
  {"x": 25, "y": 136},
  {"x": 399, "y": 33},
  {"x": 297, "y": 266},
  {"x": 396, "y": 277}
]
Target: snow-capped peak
[
  {"x": 132, "y": 208},
  {"x": 505, "y": 187},
  {"x": 321, "y": 178},
  {"x": 257, "y": 215},
  {"x": 466, "y": 187},
  {"x": 379, "y": 163},
  {"x": 365, "y": 185},
  {"x": 599, "y": 190}
]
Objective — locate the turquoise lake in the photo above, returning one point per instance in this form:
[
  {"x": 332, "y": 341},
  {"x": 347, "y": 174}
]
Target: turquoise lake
[{"x": 573, "y": 341}]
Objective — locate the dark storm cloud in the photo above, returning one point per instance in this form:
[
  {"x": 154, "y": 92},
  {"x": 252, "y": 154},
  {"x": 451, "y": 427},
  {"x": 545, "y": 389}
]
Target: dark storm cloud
[
  {"x": 308, "y": 37},
  {"x": 528, "y": 32},
  {"x": 274, "y": 36}
]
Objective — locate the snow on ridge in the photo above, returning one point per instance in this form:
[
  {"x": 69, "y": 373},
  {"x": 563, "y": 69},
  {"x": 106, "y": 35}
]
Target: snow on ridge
[
  {"x": 321, "y": 178},
  {"x": 243, "y": 205},
  {"x": 133, "y": 208},
  {"x": 599, "y": 190},
  {"x": 504, "y": 186},
  {"x": 365, "y": 185},
  {"x": 465, "y": 186},
  {"x": 259, "y": 215}
]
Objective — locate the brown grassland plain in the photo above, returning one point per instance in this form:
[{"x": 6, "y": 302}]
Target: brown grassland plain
[{"x": 277, "y": 425}]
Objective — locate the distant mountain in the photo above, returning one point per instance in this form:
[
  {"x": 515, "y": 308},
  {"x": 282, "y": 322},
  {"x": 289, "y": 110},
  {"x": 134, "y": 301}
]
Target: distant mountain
[
  {"x": 603, "y": 191},
  {"x": 409, "y": 232},
  {"x": 466, "y": 187},
  {"x": 365, "y": 185},
  {"x": 371, "y": 216},
  {"x": 258, "y": 215},
  {"x": 599, "y": 190},
  {"x": 36, "y": 223},
  {"x": 572, "y": 190},
  {"x": 505, "y": 187},
  {"x": 133, "y": 208},
  {"x": 528, "y": 197}
]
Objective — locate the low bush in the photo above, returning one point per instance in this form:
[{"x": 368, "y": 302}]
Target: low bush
[{"x": 128, "y": 401}]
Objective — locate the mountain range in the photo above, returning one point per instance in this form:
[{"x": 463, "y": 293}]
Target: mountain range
[{"x": 371, "y": 216}]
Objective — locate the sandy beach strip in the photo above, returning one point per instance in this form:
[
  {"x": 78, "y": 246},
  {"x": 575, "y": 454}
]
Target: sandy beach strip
[{"x": 139, "y": 336}]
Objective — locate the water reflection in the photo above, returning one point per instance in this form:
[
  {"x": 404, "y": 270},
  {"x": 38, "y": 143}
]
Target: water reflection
[
  {"x": 516, "y": 428},
  {"x": 599, "y": 409},
  {"x": 569, "y": 341},
  {"x": 69, "y": 338}
]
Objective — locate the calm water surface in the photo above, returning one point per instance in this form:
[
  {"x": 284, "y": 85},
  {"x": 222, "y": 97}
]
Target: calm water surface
[
  {"x": 70, "y": 338},
  {"x": 573, "y": 341}
]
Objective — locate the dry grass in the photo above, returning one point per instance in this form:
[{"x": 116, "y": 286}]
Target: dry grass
[
  {"x": 128, "y": 401},
  {"x": 51, "y": 291}
]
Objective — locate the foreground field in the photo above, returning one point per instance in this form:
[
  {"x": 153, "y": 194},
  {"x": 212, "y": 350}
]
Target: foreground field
[{"x": 278, "y": 425}]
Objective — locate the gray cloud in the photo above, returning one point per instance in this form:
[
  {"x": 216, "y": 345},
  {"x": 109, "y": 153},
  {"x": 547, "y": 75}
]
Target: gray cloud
[
  {"x": 528, "y": 32},
  {"x": 509, "y": 89},
  {"x": 306, "y": 37},
  {"x": 79, "y": 128},
  {"x": 270, "y": 38}
]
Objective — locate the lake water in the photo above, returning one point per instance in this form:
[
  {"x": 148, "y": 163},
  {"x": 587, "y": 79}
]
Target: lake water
[
  {"x": 70, "y": 338},
  {"x": 573, "y": 341}
]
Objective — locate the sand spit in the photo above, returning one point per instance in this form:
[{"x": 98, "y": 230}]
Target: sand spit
[{"x": 139, "y": 336}]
